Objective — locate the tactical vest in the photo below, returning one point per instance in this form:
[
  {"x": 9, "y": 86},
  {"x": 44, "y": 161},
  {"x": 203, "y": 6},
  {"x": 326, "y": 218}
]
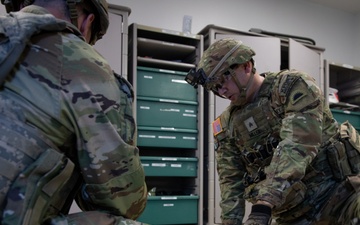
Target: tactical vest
[
  {"x": 254, "y": 130},
  {"x": 37, "y": 181}
]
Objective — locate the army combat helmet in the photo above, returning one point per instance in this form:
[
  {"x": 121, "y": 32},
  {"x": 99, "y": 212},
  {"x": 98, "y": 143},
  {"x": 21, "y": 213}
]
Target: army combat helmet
[
  {"x": 101, "y": 24},
  {"x": 218, "y": 61}
]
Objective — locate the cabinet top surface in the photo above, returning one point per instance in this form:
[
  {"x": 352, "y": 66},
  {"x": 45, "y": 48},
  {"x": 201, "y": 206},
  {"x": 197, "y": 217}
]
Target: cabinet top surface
[
  {"x": 119, "y": 7},
  {"x": 228, "y": 30},
  {"x": 343, "y": 66},
  {"x": 167, "y": 31}
]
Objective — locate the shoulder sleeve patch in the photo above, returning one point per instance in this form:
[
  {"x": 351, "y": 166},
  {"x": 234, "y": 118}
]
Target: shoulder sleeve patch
[
  {"x": 297, "y": 96},
  {"x": 217, "y": 127}
]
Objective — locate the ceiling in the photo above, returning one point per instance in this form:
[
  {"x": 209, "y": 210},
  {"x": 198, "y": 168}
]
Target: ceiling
[{"x": 352, "y": 6}]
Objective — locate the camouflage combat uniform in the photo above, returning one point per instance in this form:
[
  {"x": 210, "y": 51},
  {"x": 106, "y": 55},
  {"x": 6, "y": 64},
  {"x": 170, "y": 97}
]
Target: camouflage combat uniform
[
  {"x": 275, "y": 149},
  {"x": 67, "y": 131}
]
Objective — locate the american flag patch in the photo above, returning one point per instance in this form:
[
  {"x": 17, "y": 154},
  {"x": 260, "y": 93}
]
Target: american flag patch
[{"x": 217, "y": 128}]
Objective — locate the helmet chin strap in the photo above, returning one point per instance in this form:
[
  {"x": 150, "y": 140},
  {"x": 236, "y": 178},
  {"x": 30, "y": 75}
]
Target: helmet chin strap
[
  {"x": 242, "y": 88},
  {"x": 73, "y": 12}
]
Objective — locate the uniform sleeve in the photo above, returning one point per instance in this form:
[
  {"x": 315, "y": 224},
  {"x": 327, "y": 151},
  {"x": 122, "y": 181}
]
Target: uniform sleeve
[
  {"x": 301, "y": 136},
  {"x": 111, "y": 167},
  {"x": 105, "y": 130},
  {"x": 230, "y": 171}
]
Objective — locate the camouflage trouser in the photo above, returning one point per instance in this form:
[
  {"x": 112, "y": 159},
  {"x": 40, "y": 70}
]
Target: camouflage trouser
[
  {"x": 93, "y": 218},
  {"x": 342, "y": 208}
]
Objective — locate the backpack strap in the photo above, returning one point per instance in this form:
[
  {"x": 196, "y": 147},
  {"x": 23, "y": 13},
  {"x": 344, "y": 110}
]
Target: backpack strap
[{"x": 16, "y": 29}]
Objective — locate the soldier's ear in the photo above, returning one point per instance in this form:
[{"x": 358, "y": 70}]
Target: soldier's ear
[
  {"x": 85, "y": 24},
  {"x": 248, "y": 67}
]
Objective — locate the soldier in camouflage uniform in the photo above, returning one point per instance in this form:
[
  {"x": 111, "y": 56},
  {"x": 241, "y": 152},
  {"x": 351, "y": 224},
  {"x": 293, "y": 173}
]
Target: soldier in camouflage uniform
[
  {"x": 277, "y": 144},
  {"x": 66, "y": 125}
]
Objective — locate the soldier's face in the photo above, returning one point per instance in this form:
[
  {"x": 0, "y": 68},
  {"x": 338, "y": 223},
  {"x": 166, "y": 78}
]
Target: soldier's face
[{"x": 231, "y": 88}]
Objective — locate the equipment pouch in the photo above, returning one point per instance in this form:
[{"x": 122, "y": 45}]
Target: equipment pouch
[
  {"x": 351, "y": 140},
  {"x": 39, "y": 190},
  {"x": 338, "y": 160}
]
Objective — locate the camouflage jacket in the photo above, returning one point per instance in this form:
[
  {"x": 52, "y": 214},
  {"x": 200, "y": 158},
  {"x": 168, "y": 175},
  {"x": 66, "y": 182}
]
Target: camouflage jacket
[
  {"x": 65, "y": 89},
  {"x": 290, "y": 120}
]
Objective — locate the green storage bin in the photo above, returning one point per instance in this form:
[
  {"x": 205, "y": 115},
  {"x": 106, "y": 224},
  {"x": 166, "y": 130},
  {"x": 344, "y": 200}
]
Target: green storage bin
[
  {"x": 343, "y": 115},
  {"x": 166, "y": 113},
  {"x": 161, "y": 83},
  {"x": 163, "y": 137},
  {"x": 169, "y": 166},
  {"x": 170, "y": 210}
]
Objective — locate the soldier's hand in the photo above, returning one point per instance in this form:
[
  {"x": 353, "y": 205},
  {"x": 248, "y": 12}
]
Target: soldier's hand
[{"x": 260, "y": 215}]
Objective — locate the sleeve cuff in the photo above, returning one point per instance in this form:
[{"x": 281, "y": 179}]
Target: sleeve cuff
[{"x": 258, "y": 208}]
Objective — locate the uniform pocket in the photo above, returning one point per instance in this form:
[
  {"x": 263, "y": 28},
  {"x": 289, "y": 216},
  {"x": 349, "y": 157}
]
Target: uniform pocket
[{"x": 294, "y": 196}]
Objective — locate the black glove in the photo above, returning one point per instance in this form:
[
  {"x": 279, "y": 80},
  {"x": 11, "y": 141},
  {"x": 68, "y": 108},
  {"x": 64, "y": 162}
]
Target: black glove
[{"x": 260, "y": 215}]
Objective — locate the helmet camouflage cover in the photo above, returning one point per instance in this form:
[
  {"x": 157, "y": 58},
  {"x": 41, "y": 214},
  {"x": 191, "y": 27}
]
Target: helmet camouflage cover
[
  {"x": 101, "y": 7},
  {"x": 220, "y": 56}
]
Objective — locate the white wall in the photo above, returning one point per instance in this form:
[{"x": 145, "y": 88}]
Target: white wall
[
  {"x": 336, "y": 31},
  {"x": 357, "y": 37}
]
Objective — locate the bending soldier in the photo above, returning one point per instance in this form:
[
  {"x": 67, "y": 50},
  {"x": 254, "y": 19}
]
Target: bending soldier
[{"x": 277, "y": 144}]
